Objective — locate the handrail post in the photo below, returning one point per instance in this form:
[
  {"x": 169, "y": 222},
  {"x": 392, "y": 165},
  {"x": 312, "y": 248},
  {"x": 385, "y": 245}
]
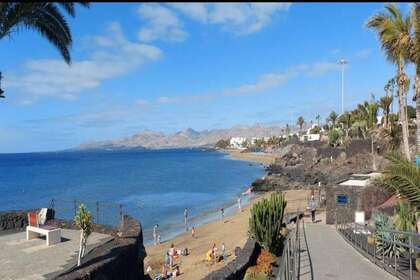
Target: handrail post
[
  {"x": 395, "y": 255},
  {"x": 75, "y": 207},
  {"x": 410, "y": 242},
  {"x": 97, "y": 212},
  {"x": 374, "y": 245}
]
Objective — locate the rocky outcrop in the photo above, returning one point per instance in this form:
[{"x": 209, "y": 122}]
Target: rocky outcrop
[
  {"x": 306, "y": 165},
  {"x": 18, "y": 220}
]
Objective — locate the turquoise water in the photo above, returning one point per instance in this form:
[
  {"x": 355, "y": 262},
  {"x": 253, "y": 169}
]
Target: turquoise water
[{"x": 154, "y": 186}]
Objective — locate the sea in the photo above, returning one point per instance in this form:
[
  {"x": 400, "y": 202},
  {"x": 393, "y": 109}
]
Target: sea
[{"x": 153, "y": 186}]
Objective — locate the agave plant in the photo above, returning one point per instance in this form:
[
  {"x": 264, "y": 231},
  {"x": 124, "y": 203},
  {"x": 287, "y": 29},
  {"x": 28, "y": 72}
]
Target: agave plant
[{"x": 384, "y": 237}]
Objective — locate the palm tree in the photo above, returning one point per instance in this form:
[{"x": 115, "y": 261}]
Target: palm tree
[
  {"x": 415, "y": 58},
  {"x": 385, "y": 104},
  {"x": 332, "y": 118},
  {"x": 46, "y": 18},
  {"x": 390, "y": 89},
  {"x": 318, "y": 119},
  {"x": 346, "y": 120},
  {"x": 402, "y": 177},
  {"x": 393, "y": 30},
  {"x": 300, "y": 122}
]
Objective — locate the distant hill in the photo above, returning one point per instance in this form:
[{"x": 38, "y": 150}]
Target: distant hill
[{"x": 149, "y": 139}]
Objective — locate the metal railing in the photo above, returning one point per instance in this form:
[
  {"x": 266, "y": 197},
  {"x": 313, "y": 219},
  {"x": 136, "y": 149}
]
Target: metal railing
[
  {"x": 102, "y": 212},
  {"x": 290, "y": 257},
  {"x": 403, "y": 246}
]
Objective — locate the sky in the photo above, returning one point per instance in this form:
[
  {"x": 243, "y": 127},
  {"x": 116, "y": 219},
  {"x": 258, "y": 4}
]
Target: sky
[{"x": 168, "y": 67}]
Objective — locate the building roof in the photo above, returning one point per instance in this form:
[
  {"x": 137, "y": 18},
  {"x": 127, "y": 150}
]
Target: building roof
[{"x": 360, "y": 180}]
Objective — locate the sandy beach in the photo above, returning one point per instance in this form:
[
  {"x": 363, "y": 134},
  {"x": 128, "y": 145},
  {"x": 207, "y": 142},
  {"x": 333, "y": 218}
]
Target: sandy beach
[
  {"x": 263, "y": 158},
  {"x": 232, "y": 230}
]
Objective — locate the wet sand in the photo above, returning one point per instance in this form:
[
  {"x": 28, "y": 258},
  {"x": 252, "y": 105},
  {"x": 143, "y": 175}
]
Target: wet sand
[
  {"x": 233, "y": 231},
  {"x": 264, "y": 158}
]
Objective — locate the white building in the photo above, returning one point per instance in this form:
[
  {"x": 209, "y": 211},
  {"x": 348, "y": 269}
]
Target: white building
[
  {"x": 308, "y": 136},
  {"x": 237, "y": 142}
]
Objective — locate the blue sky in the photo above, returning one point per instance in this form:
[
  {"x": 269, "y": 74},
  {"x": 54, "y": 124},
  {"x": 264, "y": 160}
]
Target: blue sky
[{"x": 171, "y": 66}]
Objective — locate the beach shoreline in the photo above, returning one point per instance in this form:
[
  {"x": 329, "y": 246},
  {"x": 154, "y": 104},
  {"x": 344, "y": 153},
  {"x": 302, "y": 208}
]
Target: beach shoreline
[
  {"x": 211, "y": 215},
  {"x": 232, "y": 230},
  {"x": 263, "y": 158}
]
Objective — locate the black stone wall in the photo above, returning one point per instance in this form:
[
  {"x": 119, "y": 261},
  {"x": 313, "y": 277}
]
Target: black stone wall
[
  {"x": 122, "y": 258},
  {"x": 369, "y": 198},
  {"x": 236, "y": 269}
]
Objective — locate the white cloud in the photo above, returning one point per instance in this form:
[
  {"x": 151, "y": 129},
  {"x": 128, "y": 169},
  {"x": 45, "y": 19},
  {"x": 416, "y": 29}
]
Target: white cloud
[
  {"x": 263, "y": 83},
  {"x": 160, "y": 23},
  {"x": 114, "y": 56},
  {"x": 362, "y": 54},
  {"x": 239, "y": 18},
  {"x": 320, "y": 68}
]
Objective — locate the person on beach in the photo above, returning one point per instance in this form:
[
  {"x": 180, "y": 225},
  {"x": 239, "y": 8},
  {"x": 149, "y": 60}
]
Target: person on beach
[
  {"x": 214, "y": 252},
  {"x": 172, "y": 252},
  {"x": 193, "y": 232},
  {"x": 222, "y": 212},
  {"x": 186, "y": 219},
  {"x": 312, "y": 207},
  {"x": 223, "y": 251},
  {"x": 240, "y": 203},
  {"x": 156, "y": 234}
]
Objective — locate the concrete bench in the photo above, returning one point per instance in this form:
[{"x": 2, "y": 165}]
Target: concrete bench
[{"x": 53, "y": 234}]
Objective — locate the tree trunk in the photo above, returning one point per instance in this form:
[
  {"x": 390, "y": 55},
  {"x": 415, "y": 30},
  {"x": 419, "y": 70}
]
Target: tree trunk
[
  {"x": 402, "y": 97},
  {"x": 373, "y": 153},
  {"x": 386, "y": 119},
  {"x": 417, "y": 94},
  {"x": 79, "y": 258}
]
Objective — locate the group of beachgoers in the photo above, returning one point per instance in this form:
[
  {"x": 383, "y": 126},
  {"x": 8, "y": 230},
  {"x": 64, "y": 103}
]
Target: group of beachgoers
[{"x": 170, "y": 269}]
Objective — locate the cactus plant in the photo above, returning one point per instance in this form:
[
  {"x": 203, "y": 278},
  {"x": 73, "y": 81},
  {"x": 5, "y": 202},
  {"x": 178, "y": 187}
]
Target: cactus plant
[{"x": 266, "y": 221}]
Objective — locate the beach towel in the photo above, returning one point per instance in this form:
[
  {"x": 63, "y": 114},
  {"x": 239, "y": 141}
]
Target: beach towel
[{"x": 42, "y": 216}]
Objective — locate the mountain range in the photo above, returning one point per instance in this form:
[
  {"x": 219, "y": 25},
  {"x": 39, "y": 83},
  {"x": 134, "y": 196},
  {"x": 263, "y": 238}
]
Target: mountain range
[{"x": 187, "y": 138}]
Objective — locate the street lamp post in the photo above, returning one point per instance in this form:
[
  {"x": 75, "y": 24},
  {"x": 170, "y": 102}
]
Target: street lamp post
[
  {"x": 1, "y": 91},
  {"x": 342, "y": 62}
]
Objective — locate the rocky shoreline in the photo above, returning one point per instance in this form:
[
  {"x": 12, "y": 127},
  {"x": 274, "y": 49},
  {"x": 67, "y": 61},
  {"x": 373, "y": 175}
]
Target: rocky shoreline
[{"x": 310, "y": 165}]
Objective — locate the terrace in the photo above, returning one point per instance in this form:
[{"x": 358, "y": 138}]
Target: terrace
[{"x": 33, "y": 259}]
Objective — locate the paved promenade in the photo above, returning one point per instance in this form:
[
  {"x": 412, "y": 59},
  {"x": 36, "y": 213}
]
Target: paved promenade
[
  {"x": 333, "y": 258},
  {"x": 22, "y": 259}
]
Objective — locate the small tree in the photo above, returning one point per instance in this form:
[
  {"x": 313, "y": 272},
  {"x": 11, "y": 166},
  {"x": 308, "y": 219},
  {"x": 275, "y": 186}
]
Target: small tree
[
  {"x": 300, "y": 122},
  {"x": 332, "y": 118},
  {"x": 266, "y": 222},
  {"x": 83, "y": 220}
]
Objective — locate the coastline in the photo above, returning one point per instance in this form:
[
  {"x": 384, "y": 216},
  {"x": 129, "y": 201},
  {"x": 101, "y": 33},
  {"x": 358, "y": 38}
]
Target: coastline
[
  {"x": 232, "y": 230},
  {"x": 263, "y": 158},
  {"x": 171, "y": 231}
]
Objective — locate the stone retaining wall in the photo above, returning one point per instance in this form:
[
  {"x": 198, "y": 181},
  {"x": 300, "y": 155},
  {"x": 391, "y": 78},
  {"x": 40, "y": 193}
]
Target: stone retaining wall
[
  {"x": 122, "y": 258},
  {"x": 18, "y": 220},
  {"x": 369, "y": 197},
  {"x": 236, "y": 269},
  {"x": 13, "y": 220}
]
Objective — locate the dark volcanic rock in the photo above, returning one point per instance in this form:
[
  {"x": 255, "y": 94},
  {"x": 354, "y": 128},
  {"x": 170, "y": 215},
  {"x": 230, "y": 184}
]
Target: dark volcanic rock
[{"x": 306, "y": 165}]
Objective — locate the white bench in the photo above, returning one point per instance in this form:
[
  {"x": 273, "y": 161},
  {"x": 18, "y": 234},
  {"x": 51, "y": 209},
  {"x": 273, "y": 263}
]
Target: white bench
[{"x": 53, "y": 234}]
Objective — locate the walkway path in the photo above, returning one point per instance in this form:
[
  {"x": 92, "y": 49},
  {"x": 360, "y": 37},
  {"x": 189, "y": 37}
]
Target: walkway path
[{"x": 333, "y": 258}]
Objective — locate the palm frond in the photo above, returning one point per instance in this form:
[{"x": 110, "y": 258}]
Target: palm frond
[{"x": 402, "y": 176}]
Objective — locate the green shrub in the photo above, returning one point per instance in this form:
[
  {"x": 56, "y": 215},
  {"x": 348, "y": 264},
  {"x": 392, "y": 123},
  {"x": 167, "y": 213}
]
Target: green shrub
[
  {"x": 266, "y": 222},
  {"x": 255, "y": 276},
  {"x": 334, "y": 136}
]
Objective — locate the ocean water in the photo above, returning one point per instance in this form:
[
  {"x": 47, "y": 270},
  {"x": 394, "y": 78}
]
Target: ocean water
[{"x": 153, "y": 186}]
